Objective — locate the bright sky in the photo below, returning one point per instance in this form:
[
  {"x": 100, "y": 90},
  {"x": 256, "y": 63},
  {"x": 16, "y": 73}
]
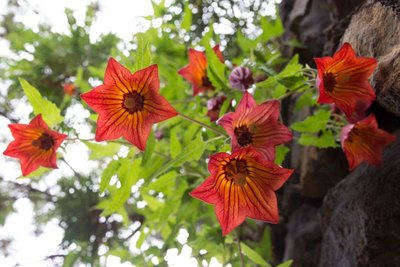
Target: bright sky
[{"x": 122, "y": 18}]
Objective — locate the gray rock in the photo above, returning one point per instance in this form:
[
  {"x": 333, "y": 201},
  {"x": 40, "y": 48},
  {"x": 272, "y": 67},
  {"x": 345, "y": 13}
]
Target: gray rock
[{"x": 361, "y": 216}]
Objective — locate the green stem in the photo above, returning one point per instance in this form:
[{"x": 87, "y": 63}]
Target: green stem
[
  {"x": 202, "y": 124},
  {"x": 240, "y": 249}
]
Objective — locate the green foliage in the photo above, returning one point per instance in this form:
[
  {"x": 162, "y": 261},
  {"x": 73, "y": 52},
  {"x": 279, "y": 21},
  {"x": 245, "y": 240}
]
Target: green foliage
[
  {"x": 143, "y": 54},
  {"x": 254, "y": 256},
  {"x": 150, "y": 189},
  {"x": 50, "y": 113},
  {"x": 313, "y": 124},
  {"x": 98, "y": 151}
]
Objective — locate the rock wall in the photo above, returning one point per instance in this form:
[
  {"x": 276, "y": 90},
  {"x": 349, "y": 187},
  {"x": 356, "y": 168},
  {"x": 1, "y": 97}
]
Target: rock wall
[{"x": 336, "y": 219}]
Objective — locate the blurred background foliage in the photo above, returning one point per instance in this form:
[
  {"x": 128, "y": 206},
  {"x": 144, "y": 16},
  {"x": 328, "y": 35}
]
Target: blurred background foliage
[{"x": 135, "y": 205}]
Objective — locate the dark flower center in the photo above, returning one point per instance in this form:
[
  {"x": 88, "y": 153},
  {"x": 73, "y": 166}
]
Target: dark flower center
[
  {"x": 243, "y": 135},
  {"x": 45, "y": 141},
  {"x": 236, "y": 171},
  {"x": 329, "y": 81},
  {"x": 205, "y": 82},
  {"x": 133, "y": 102}
]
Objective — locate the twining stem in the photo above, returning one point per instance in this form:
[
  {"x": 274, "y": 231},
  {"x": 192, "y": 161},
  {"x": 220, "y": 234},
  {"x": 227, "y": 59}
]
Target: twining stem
[{"x": 183, "y": 116}]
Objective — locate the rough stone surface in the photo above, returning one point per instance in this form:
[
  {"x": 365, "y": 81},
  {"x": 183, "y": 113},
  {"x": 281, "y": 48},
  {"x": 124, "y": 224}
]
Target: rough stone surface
[
  {"x": 375, "y": 32},
  {"x": 361, "y": 216},
  {"x": 321, "y": 169},
  {"x": 303, "y": 240}
]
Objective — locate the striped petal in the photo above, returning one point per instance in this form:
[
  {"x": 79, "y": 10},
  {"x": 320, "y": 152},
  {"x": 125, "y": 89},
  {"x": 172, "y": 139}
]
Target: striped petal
[
  {"x": 128, "y": 104},
  {"x": 241, "y": 185},
  {"x": 35, "y": 145},
  {"x": 364, "y": 141},
  {"x": 343, "y": 80}
]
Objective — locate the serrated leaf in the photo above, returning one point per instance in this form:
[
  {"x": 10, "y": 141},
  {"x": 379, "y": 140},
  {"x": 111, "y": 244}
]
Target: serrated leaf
[
  {"x": 107, "y": 174},
  {"x": 313, "y": 124},
  {"x": 143, "y": 52},
  {"x": 325, "y": 140},
  {"x": 287, "y": 263},
  {"x": 254, "y": 256},
  {"x": 98, "y": 151},
  {"x": 50, "y": 112}
]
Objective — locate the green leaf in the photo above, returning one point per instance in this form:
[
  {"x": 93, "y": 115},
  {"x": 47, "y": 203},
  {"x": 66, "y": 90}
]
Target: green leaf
[
  {"x": 313, "y": 124},
  {"x": 306, "y": 99},
  {"x": 164, "y": 183},
  {"x": 270, "y": 29},
  {"x": 325, "y": 140},
  {"x": 187, "y": 17},
  {"x": 245, "y": 44},
  {"x": 175, "y": 144},
  {"x": 151, "y": 143},
  {"x": 50, "y": 112},
  {"x": 281, "y": 152},
  {"x": 70, "y": 259},
  {"x": 287, "y": 263},
  {"x": 215, "y": 69},
  {"x": 108, "y": 172},
  {"x": 254, "y": 256},
  {"x": 194, "y": 153},
  {"x": 128, "y": 174},
  {"x": 100, "y": 151},
  {"x": 143, "y": 52},
  {"x": 153, "y": 203}
]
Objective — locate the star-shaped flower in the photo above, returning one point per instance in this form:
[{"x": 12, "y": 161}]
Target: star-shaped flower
[
  {"x": 255, "y": 125},
  {"x": 196, "y": 71},
  {"x": 35, "y": 145},
  {"x": 363, "y": 141},
  {"x": 242, "y": 185},
  {"x": 343, "y": 80},
  {"x": 128, "y": 104}
]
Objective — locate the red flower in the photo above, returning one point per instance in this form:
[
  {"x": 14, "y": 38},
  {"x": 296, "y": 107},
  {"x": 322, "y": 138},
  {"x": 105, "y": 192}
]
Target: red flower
[
  {"x": 364, "y": 141},
  {"x": 343, "y": 80},
  {"x": 242, "y": 185},
  {"x": 69, "y": 89},
  {"x": 196, "y": 71},
  {"x": 35, "y": 145},
  {"x": 128, "y": 104},
  {"x": 257, "y": 126}
]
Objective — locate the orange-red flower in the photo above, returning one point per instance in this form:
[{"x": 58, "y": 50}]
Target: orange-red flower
[
  {"x": 363, "y": 141},
  {"x": 35, "y": 145},
  {"x": 69, "y": 89},
  {"x": 128, "y": 104},
  {"x": 242, "y": 185},
  {"x": 343, "y": 80},
  {"x": 255, "y": 125},
  {"x": 196, "y": 71}
]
